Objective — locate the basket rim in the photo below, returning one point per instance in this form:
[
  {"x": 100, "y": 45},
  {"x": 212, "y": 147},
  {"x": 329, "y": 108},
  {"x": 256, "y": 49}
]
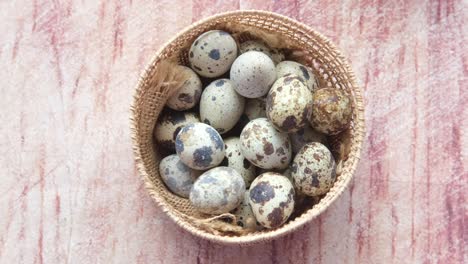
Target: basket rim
[{"x": 306, "y": 217}]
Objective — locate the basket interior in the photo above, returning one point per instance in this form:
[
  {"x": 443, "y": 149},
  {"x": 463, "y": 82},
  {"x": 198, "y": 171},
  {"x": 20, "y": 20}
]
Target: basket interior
[{"x": 298, "y": 43}]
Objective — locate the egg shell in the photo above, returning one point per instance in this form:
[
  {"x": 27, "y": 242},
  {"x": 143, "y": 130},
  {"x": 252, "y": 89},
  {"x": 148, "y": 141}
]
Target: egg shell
[
  {"x": 294, "y": 68},
  {"x": 212, "y": 53},
  {"x": 188, "y": 94},
  {"x": 244, "y": 215},
  {"x": 271, "y": 199},
  {"x": 255, "y": 108},
  {"x": 265, "y": 146},
  {"x": 256, "y": 45},
  {"x": 177, "y": 176},
  {"x": 304, "y": 136},
  {"x": 331, "y": 111},
  {"x": 314, "y": 169},
  {"x": 221, "y": 106},
  {"x": 253, "y": 73},
  {"x": 289, "y": 104},
  {"x": 217, "y": 191},
  {"x": 277, "y": 56},
  {"x": 200, "y": 146},
  {"x": 169, "y": 124},
  {"x": 237, "y": 161}
]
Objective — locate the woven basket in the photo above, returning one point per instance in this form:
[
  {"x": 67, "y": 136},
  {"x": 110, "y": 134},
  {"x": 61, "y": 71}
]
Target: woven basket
[{"x": 300, "y": 43}]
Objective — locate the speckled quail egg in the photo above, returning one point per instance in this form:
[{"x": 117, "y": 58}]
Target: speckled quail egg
[
  {"x": 220, "y": 105},
  {"x": 294, "y": 68},
  {"x": 257, "y": 45},
  {"x": 271, "y": 199},
  {"x": 199, "y": 146},
  {"x": 217, "y": 191},
  {"x": 314, "y": 169},
  {"x": 289, "y": 104},
  {"x": 236, "y": 160},
  {"x": 177, "y": 176},
  {"x": 244, "y": 215},
  {"x": 265, "y": 146},
  {"x": 253, "y": 73},
  {"x": 331, "y": 111},
  {"x": 169, "y": 124},
  {"x": 188, "y": 94},
  {"x": 212, "y": 53},
  {"x": 255, "y": 108},
  {"x": 304, "y": 136}
]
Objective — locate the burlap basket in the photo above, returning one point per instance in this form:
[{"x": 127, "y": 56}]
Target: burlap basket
[{"x": 299, "y": 43}]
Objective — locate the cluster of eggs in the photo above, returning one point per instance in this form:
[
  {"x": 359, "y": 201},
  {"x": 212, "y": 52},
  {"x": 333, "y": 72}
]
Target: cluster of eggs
[{"x": 283, "y": 117}]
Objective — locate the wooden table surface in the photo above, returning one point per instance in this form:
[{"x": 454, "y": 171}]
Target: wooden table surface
[{"x": 70, "y": 193}]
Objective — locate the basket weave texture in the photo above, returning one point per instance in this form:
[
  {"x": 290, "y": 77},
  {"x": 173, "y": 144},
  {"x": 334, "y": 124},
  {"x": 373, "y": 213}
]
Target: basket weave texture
[{"x": 301, "y": 44}]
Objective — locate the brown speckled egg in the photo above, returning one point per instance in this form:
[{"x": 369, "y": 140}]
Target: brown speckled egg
[
  {"x": 271, "y": 199},
  {"x": 217, "y": 191},
  {"x": 221, "y": 106},
  {"x": 331, "y": 111},
  {"x": 294, "y": 68},
  {"x": 169, "y": 124},
  {"x": 177, "y": 176},
  {"x": 245, "y": 216},
  {"x": 314, "y": 169},
  {"x": 255, "y": 108},
  {"x": 256, "y": 45},
  {"x": 212, "y": 53},
  {"x": 237, "y": 161},
  {"x": 199, "y": 146},
  {"x": 304, "y": 136},
  {"x": 253, "y": 73},
  {"x": 189, "y": 94},
  {"x": 265, "y": 146},
  {"x": 288, "y": 104}
]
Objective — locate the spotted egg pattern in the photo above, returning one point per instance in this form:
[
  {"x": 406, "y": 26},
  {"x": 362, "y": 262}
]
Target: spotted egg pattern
[
  {"x": 255, "y": 108},
  {"x": 212, "y": 53},
  {"x": 314, "y": 169},
  {"x": 188, "y": 94},
  {"x": 168, "y": 126},
  {"x": 244, "y": 215},
  {"x": 177, "y": 176},
  {"x": 237, "y": 161},
  {"x": 271, "y": 199},
  {"x": 265, "y": 146},
  {"x": 331, "y": 111},
  {"x": 200, "y": 146},
  {"x": 217, "y": 191},
  {"x": 303, "y": 72},
  {"x": 221, "y": 106},
  {"x": 289, "y": 104},
  {"x": 304, "y": 136},
  {"x": 253, "y": 73}
]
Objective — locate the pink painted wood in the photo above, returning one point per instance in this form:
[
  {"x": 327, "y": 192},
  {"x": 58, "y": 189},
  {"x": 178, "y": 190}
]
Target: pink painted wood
[{"x": 70, "y": 192}]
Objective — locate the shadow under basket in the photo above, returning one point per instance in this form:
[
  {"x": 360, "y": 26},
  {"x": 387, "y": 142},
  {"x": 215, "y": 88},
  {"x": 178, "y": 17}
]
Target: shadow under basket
[{"x": 298, "y": 42}]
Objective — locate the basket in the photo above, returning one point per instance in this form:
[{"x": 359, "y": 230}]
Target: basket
[{"x": 299, "y": 43}]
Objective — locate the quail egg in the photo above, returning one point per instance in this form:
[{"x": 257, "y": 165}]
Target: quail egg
[
  {"x": 236, "y": 160},
  {"x": 245, "y": 216},
  {"x": 177, "y": 176},
  {"x": 220, "y": 105},
  {"x": 305, "y": 135},
  {"x": 199, "y": 146},
  {"x": 169, "y": 124},
  {"x": 288, "y": 104},
  {"x": 212, "y": 53},
  {"x": 314, "y": 169},
  {"x": 331, "y": 111},
  {"x": 271, "y": 199},
  {"x": 253, "y": 73},
  {"x": 265, "y": 146},
  {"x": 294, "y": 68},
  {"x": 255, "y": 108},
  {"x": 217, "y": 191},
  {"x": 189, "y": 94}
]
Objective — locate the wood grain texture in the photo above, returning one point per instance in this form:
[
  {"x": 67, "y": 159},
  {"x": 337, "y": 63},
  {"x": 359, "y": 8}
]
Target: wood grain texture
[{"x": 70, "y": 192}]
